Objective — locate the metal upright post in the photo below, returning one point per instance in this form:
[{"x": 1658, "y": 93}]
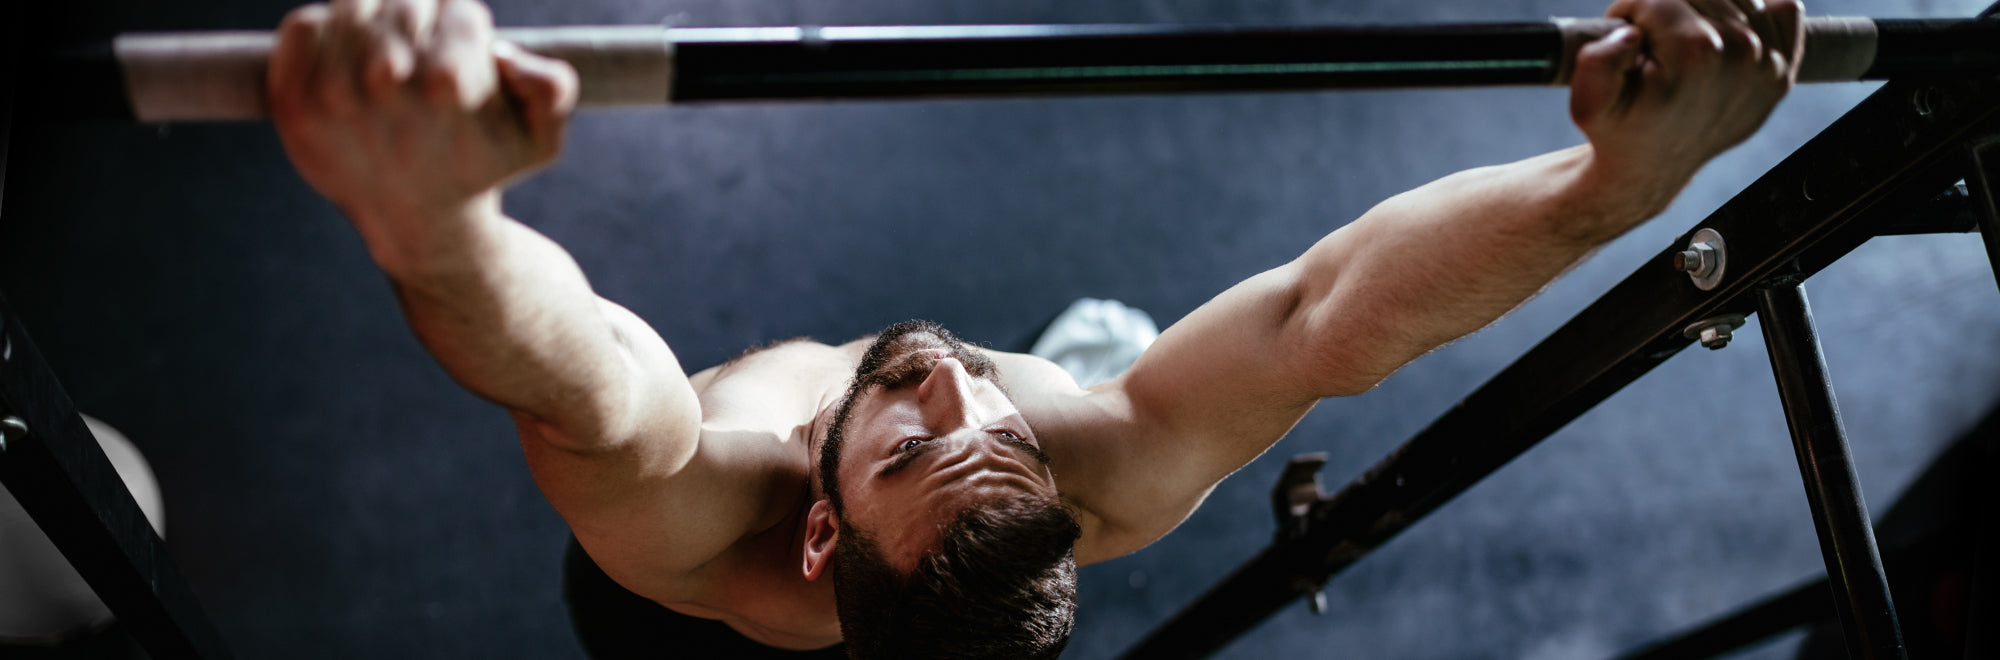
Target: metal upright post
[
  {"x": 1846, "y": 537},
  {"x": 1980, "y": 182}
]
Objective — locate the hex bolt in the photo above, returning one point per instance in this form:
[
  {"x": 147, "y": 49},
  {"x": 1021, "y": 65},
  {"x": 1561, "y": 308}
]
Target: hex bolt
[
  {"x": 1714, "y": 332},
  {"x": 1698, "y": 259},
  {"x": 1704, "y": 259},
  {"x": 11, "y": 427},
  {"x": 1715, "y": 337}
]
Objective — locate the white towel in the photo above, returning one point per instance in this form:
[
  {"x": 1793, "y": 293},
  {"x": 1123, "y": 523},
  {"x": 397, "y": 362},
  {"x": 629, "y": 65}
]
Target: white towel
[{"x": 1096, "y": 340}]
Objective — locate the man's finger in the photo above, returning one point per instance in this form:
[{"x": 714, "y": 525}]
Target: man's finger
[
  {"x": 546, "y": 89},
  {"x": 414, "y": 19},
  {"x": 291, "y": 72},
  {"x": 1602, "y": 83},
  {"x": 403, "y": 29},
  {"x": 1740, "y": 39},
  {"x": 1756, "y": 12},
  {"x": 1788, "y": 30},
  {"x": 1677, "y": 37},
  {"x": 459, "y": 61}
]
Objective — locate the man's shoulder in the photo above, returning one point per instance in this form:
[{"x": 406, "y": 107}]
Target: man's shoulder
[{"x": 1025, "y": 374}]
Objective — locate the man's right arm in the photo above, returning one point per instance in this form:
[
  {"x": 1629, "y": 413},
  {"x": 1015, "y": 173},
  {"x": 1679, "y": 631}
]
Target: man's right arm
[
  {"x": 1688, "y": 80},
  {"x": 409, "y": 117}
]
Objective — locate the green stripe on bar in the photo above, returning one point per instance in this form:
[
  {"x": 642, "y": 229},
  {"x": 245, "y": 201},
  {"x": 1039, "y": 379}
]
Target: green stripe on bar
[{"x": 1151, "y": 71}]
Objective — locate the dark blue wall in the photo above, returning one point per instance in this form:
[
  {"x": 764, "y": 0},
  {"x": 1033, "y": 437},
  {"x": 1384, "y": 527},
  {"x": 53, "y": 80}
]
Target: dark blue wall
[{"x": 332, "y": 495}]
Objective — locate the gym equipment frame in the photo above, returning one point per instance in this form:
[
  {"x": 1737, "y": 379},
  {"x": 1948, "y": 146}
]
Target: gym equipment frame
[{"x": 1889, "y": 166}]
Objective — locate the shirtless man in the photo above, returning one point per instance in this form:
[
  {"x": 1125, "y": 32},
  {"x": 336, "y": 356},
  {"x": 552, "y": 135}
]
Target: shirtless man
[{"x": 948, "y": 491}]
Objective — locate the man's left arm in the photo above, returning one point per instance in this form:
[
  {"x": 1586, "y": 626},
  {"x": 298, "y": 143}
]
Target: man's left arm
[{"x": 1688, "y": 80}]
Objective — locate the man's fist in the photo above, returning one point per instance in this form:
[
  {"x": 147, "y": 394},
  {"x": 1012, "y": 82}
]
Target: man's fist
[
  {"x": 401, "y": 110},
  {"x": 1685, "y": 81}
]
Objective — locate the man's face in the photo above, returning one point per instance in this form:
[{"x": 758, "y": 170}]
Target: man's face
[{"x": 937, "y": 436}]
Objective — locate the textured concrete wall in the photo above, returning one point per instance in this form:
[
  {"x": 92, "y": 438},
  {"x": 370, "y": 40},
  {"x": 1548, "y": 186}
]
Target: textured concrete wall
[{"x": 331, "y": 494}]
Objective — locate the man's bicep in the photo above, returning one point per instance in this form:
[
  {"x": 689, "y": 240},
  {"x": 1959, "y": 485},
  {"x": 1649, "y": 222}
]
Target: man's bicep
[
  {"x": 1211, "y": 394},
  {"x": 1229, "y": 379}
]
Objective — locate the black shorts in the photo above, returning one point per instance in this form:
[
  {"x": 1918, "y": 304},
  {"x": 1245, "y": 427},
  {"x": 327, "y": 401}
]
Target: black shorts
[{"x": 615, "y": 624}]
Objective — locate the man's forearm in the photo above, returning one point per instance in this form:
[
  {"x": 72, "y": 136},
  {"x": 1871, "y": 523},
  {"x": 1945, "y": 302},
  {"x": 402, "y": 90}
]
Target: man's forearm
[
  {"x": 1441, "y": 261},
  {"x": 509, "y": 315}
]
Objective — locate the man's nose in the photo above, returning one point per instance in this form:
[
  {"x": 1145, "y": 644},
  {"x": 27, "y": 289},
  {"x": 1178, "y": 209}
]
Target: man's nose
[{"x": 946, "y": 394}]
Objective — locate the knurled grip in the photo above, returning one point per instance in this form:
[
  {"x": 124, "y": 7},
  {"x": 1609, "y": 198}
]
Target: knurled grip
[
  {"x": 219, "y": 76},
  {"x": 1838, "y": 48}
]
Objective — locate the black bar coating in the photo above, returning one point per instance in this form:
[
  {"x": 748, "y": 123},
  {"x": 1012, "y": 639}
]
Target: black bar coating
[
  {"x": 1830, "y": 196},
  {"x": 1846, "y": 536},
  {"x": 1099, "y": 59},
  {"x": 1934, "y": 48},
  {"x": 62, "y": 478}
]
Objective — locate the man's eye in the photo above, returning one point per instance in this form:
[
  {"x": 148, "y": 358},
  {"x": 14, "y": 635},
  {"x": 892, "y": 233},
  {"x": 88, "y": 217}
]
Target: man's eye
[
  {"x": 1007, "y": 434},
  {"x": 907, "y": 444}
]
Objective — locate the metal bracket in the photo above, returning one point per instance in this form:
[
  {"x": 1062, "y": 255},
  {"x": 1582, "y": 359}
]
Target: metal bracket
[
  {"x": 1298, "y": 489},
  {"x": 1296, "y": 492}
]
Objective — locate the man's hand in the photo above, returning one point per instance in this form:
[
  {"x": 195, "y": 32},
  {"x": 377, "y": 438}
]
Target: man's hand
[
  {"x": 407, "y": 111},
  {"x": 1685, "y": 81}
]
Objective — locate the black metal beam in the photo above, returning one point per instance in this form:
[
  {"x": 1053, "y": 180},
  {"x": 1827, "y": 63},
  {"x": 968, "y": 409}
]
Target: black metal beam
[
  {"x": 1846, "y": 534},
  {"x": 1982, "y": 637},
  {"x": 50, "y": 463},
  {"x": 1894, "y": 151},
  {"x": 1980, "y": 181}
]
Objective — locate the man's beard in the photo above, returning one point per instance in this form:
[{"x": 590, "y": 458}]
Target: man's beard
[{"x": 899, "y": 357}]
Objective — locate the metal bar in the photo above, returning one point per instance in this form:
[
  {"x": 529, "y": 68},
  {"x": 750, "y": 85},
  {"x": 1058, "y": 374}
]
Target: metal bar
[
  {"x": 1984, "y": 162},
  {"x": 52, "y": 465},
  {"x": 1846, "y": 535},
  {"x": 1982, "y": 639},
  {"x": 219, "y": 75},
  {"x": 10, "y": 54},
  {"x": 1950, "y": 212},
  {"x": 1895, "y": 150}
]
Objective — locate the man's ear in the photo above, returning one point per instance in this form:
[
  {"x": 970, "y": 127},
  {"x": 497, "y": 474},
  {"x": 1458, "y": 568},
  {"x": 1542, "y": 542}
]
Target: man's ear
[{"x": 821, "y": 530}]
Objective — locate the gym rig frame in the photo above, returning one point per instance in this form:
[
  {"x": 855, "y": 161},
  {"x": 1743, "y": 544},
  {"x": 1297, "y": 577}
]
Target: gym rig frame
[{"x": 1919, "y": 156}]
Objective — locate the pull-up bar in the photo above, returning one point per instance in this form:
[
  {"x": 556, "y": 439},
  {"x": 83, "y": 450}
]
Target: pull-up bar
[{"x": 220, "y": 75}]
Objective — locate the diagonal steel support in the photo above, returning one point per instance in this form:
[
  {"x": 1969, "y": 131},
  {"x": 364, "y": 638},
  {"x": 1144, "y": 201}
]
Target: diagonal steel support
[
  {"x": 1980, "y": 181},
  {"x": 50, "y": 463}
]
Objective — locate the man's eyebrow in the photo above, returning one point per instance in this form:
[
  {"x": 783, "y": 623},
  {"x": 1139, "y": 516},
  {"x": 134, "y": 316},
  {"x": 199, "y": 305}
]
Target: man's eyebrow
[
  {"x": 904, "y": 458},
  {"x": 1029, "y": 447}
]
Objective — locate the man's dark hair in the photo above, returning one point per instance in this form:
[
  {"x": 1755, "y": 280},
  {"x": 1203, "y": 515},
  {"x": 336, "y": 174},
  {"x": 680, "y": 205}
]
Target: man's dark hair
[{"x": 1001, "y": 580}]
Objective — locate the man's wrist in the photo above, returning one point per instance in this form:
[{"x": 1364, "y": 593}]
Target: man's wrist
[
  {"x": 414, "y": 241},
  {"x": 1616, "y": 194}
]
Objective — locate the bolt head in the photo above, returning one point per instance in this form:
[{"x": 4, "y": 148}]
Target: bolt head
[{"x": 1715, "y": 337}]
